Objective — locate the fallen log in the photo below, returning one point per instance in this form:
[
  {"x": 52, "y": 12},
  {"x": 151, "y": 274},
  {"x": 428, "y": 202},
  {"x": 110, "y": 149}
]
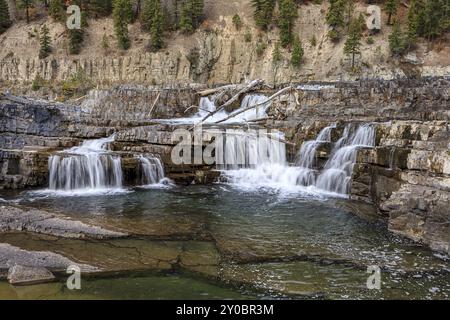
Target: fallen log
[
  {"x": 247, "y": 88},
  {"x": 279, "y": 93},
  {"x": 208, "y": 92}
]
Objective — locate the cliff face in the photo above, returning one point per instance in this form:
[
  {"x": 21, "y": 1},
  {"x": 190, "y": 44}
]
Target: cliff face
[{"x": 216, "y": 53}]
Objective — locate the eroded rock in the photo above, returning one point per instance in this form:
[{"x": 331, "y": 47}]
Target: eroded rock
[
  {"x": 22, "y": 275},
  {"x": 16, "y": 219}
]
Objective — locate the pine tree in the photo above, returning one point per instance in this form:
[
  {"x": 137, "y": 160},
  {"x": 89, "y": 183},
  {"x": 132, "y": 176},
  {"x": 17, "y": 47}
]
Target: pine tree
[
  {"x": 391, "y": 8},
  {"x": 396, "y": 43},
  {"x": 276, "y": 54},
  {"x": 191, "y": 15},
  {"x": 297, "y": 52},
  {"x": 101, "y": 8},
  {"x": 186, "y": 24},
  {"x": 122, "y": 15},
  {"x": 353, "y": 43},
  {"x": 237, "y": 21},
  {"x": 435, "y": 18},
  {"x": 56, "y": 10},
  {"x": 176, "y": 12},
  {"x": 288, "y": 14},
  {"x": 412, "y": 25},
  {"x": 44, "y": 41},
  {"x": 147, "y": 14},
  {"x": 349, "y": 10},
  {"x": 5, "y": 21},
  {"x": 26, "y": 4},
  {"x": 335, "y": 18},
  {"x": 157, "y": 41},
  {"x": 197, "y": 12},
  {"x": 263, "y": 12}
]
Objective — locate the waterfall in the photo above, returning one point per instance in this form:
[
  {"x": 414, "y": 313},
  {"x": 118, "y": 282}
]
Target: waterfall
[
  {"x": 259, "y": 160},
  {"x": 308, "y": 149},
  {"x": 89, "y": 166},
  {"x": 250, "y": 149},
  {"x": 152, "y": 170},
  {"x": 337, "y": 172},
  {"x": 253, "y": 161}
]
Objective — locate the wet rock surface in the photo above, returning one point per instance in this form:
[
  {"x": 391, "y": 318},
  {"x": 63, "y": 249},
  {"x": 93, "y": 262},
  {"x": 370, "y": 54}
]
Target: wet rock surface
[
  {"x": 15, "y": 219},
  {"x": 11, "y": 256},
  {"x": 21, "y": 275}
]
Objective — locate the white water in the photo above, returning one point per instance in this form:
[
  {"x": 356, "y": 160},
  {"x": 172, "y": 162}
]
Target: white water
[
  {"x": 152, "y": 172},
  {"x": 336, "y": 175},
  {"x": 90, "y": 166},
  {"x": 92, "y": 169},
  {"x": 272, "y": 170},
  {"x": 207, "y": 106},
  {"x": 308, "y": 149}
]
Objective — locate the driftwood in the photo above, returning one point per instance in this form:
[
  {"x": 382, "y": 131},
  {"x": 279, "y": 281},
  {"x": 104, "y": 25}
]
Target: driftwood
[
  {"x": 209, "y": 92},
  {"x": 279, "y": 93},
  {"x": 243, "y": 89},
  {"x": 153, "y": 105}
]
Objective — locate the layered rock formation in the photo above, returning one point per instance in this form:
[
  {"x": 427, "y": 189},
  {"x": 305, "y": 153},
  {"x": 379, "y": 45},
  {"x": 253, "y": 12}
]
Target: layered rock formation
[{"x": 406, "y": 175}]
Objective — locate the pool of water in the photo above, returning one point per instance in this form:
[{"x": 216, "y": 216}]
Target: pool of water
[{"x": 234, "y": 243}]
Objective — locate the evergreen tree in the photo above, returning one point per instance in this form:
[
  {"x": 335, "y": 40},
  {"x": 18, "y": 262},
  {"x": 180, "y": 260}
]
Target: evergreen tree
[
  {"x": 396, "y": 43},
  {"x": 101, "y": 8},
  {"x": 237, "y": 21},
  {"x": 297, "y": 52},
  {"x": 436, "y": 17},
  {"x": 412, "y": 24},
  {"x": 263, "y": 12},
  {"x": 191, "y": 15},
  {"x": 288, "y": 14},
  {"x": 26, "y": 5},
  {"x": 147, "y": 14},
  {"x": 349, "y": 10},
  {"x": 176, "y": 12},
  {"x": 56, "y": 10},
  {"x": 197, "y": 12},
  {"x": 156, "y": 31},
  {"x": 5, "y": 21},
  {"x": 122, "y": 15},
  {"x": 391, "y": 8},
  {"x": 186, "y": 24},
  {"x": 44, "y": 41},
  {"x": 353, "y": 43},
  {"x": 276, "y": 54},
  {"x": 335, "y": 18}
]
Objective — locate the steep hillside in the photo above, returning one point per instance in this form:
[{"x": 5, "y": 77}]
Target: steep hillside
[{"x": 215, "y": 53}]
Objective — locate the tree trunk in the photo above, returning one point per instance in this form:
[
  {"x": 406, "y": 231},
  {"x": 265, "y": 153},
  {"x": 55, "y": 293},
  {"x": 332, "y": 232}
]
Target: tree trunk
[
  {"x": 389, "y": 18},
  {"x": 28, "y": 16},
  {"x": 353, "y": 60}
]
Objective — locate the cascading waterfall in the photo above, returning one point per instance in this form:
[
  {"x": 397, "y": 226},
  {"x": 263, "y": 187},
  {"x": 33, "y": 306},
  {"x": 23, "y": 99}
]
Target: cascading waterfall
[
  {"x": 89, "y": 166},
  {"x": 337, "y": 172},
  {"x": 307, "y": 157},
  {"x": 251, "y": 162},
  {"x": 152, "y": 170}
]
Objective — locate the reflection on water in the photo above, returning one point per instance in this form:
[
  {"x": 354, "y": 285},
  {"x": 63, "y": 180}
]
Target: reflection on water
[{"x": 279, "y": 244}]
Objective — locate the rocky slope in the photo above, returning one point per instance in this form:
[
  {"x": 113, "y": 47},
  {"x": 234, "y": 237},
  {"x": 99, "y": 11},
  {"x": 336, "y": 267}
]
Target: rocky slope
[{"x": 216, "y": 53}]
